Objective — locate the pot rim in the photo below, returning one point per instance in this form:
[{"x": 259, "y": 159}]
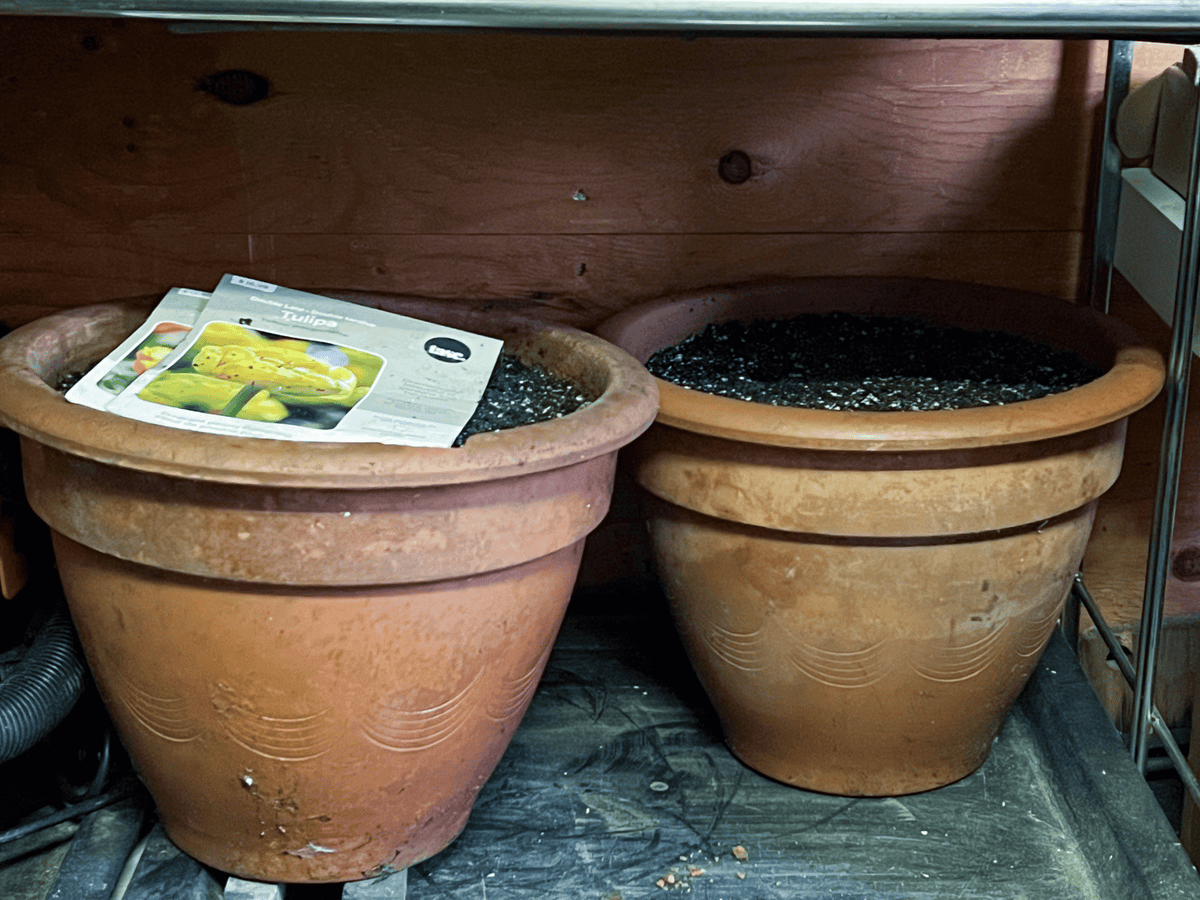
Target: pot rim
[
  {"x": 1135, "y": 375},
  {"x": 34, "y": 409}
]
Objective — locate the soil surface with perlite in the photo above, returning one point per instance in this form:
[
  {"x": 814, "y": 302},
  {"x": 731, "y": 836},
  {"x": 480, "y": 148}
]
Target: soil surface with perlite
[
  {"x": 522, "y": 394},
  {"x": 878, "y": 363}
]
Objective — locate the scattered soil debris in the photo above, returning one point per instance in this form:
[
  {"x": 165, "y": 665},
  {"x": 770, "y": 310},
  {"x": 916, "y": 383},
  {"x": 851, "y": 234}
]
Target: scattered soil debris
[
  {"x": 66, "y": 380},
  {"x": 739, "y": 852},
  {"x": 675, "y": 879},
  {"x": 877, "y": 363}
]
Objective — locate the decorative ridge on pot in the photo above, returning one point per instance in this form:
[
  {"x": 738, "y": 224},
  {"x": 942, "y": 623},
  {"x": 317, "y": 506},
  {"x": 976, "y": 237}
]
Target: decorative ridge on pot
[
  {"x": 1134, "y": 371},
  {"x": 864, "y": 594},
  {"x": 624, "y": 405}
]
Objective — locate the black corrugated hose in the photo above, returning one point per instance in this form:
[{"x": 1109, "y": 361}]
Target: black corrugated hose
[
  {"x": 39, "y": 691},
  {"x": 46, "y": 680}
]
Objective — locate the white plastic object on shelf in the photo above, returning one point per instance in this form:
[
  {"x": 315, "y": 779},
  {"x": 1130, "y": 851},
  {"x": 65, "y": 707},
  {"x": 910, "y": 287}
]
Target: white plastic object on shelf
[
  {"x": 392, "y": 886},
  {"x": 1149, "y": 235},
  {"x": 1172, "y": 157},
  {"x": 1157, "y": 121},
  {"x": 240, "y": 889}
]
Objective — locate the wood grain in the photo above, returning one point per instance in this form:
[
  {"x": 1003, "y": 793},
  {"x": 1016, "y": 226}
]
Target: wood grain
[
  {"x": 578, "y": 170},
  {"x": 577, "y": 279},
  {"x": 492, "y": 134}
]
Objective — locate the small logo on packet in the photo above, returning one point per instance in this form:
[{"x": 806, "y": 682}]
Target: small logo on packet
[{"x": 445, "y": 349}]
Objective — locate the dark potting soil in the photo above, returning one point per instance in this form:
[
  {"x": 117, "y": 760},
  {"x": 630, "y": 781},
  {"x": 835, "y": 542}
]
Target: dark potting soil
[
  {"x": 66, "y": 380},
  {"x": 521, "y": 394},
  {"x": 877, "y": 363}
]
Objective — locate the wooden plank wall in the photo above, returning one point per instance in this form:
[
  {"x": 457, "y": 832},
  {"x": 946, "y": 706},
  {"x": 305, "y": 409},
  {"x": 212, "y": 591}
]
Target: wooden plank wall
[{"x": 457, "y": 165}]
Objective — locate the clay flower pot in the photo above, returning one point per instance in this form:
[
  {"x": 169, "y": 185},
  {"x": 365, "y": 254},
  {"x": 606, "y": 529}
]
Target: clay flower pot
[
  {"x": 316, "y": 654},
  {"x": 863, "y": 594}
]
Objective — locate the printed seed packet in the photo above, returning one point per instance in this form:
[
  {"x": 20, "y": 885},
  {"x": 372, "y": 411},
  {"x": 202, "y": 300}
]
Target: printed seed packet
[
  {"x": 261, "y": 360},
  {"x": 161, "y": 333}
]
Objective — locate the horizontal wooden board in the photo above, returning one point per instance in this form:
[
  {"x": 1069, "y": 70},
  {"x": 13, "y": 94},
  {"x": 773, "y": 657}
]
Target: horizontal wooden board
[
  {"x": 577, "y": 279},
  {"x": 113, "y": 125},
  {"x": 573, "y": 172}
]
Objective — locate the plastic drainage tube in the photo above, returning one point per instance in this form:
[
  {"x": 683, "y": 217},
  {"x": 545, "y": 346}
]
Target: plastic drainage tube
[{"x": 42, "y": 688}]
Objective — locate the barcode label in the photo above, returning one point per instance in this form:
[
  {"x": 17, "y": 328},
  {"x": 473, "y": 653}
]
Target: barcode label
[{"x": 265, "y": 286}]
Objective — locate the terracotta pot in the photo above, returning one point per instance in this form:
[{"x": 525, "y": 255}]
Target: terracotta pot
[
  {"x": 316, "y": 653},
  {"x": 863, "y": 594}
]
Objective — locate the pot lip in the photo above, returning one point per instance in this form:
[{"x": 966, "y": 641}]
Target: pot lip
[
  {"x": 37, "y": 411},
  {"x": 1134, "y": 379}
]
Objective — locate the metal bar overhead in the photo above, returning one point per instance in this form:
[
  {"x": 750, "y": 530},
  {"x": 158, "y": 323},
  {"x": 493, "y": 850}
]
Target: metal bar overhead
[{"x": 1164, "y": 20}]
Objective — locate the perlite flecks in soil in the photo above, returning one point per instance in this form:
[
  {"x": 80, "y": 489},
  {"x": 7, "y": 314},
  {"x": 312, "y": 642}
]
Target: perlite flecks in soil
[{"x": 878, "y": 363}]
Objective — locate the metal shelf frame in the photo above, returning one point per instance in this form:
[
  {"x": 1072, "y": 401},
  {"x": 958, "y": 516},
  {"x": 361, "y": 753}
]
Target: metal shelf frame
[
  {"x": 1120, "y": 22},
  {"x": 1146, "y": 719},
  {"x": 1163, "y": 20}
]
